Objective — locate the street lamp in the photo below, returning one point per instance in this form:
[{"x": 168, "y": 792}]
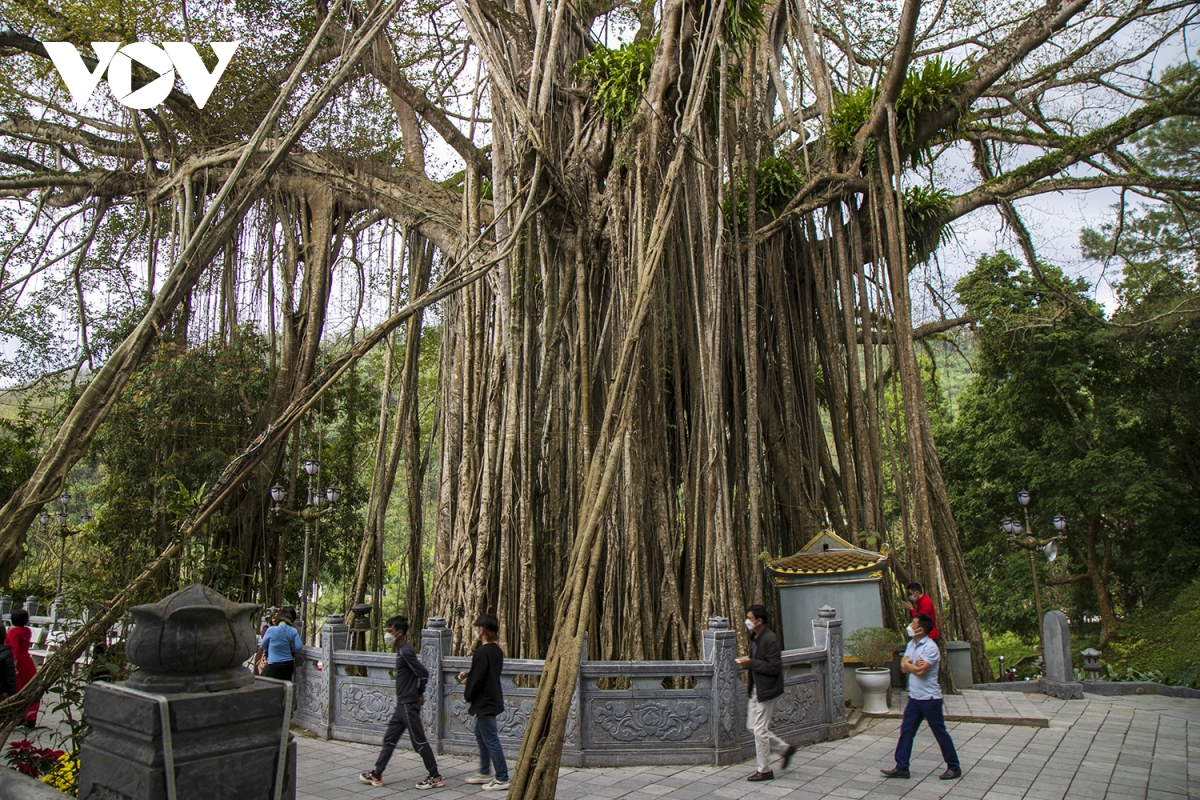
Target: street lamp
[
  {"x": 64, "y": 531},
  {"x": 309, "y": 515},
  {"x": 1049, "y": 547}
]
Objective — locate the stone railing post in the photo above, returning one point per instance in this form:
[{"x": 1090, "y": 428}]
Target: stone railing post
[
  {"x": 335, "y": 635},
  {"x": 5, "y": 606},
  {"x": 827, "y": 634},
  {"x": 437, "y": 642},
  {"x": 58, "y": 613},
  {"x": 31, "y": 605},
  {"x": 719, "y": 648},
  {"x": 572, "y": 741}
]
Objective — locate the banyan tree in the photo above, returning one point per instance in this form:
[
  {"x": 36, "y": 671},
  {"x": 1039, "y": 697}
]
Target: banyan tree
[{"x": 671, "y": 262}]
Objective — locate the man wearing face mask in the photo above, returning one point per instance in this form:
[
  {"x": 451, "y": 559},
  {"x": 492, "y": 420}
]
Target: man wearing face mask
[
  {"x": 765, "y": 663},
  {"x": 920, "y": 603},
  {"x": 920, "y": 662},
  {"x": 411, "y": 677}
]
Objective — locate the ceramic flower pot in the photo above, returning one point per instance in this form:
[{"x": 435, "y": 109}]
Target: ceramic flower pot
[{"x": 874, "y": 684}]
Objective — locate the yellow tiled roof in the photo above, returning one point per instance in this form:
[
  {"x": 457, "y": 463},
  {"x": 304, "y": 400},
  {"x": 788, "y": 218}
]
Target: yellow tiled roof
[{"x": 827, "y": 562}]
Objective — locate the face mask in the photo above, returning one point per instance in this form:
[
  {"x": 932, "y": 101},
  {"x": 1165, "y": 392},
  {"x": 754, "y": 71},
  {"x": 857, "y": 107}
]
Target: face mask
[
  {"x": 910, "y": 632},
  {"x": 390, "y": 639},
  {"x": 749, "y": 625}
]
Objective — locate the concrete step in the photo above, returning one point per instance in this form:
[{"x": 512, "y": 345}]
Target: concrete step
[{"x": 997, "y": 708}]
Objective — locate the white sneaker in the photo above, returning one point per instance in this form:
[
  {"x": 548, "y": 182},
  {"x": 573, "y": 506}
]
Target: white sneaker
[
  {"x": 479, "y": 778},
  {"x": 496, "y": 786}
]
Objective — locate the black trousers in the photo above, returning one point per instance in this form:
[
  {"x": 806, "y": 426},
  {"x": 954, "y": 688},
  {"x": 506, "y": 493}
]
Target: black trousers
[
  {"x": 282, "y": 670},
  {"x": 407, "y": 716}
]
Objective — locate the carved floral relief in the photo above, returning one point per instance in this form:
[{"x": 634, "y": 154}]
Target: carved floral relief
[{"x": 668, "y": 722}]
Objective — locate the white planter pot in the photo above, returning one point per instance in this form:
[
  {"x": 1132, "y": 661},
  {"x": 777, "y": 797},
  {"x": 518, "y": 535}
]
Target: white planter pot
[{"x": 874, "y": 684}]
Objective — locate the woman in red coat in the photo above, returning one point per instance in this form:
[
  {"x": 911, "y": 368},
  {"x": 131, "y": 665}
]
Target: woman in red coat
[{"x": 19, "y": 638}]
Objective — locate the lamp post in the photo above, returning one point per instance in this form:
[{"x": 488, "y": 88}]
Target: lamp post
[
  {"x": 64, "y": 531},
  {"x": 1017, "y": 537},
  {"x": 309, "y": 515}
]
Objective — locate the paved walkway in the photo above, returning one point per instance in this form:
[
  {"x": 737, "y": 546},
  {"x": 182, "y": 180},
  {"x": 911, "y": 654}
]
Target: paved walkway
[{"x": 1096, "y": 748}]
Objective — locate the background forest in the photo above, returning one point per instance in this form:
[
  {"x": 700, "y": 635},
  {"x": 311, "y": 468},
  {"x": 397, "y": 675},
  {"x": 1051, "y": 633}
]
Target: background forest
[{"x": 589, "y": 309}]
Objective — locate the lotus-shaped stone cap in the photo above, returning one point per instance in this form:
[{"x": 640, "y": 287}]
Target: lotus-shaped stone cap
[{"x": 194, "y": 640}]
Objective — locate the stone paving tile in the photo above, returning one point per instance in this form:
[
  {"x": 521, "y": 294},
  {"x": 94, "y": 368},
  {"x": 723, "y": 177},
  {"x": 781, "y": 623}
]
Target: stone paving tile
[{"x": 1129, "y": 748}]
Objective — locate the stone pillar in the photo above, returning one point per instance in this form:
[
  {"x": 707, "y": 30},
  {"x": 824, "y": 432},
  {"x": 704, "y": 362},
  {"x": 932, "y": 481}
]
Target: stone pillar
[
  {"x": 572, "y": 741},
  {"x": 719, "y": 648},
  {"x": 5, "y": 606},
  {"x": 335, "y": 636},
  {"x": 437, "y": 642},
  {"x": 58, "y": 612},
  {"x": 1059, "y": 679},
  {"x": 827, "y": 634},
  {"x": 192, "y": 715},
  {"x": 31, "y": 605}
]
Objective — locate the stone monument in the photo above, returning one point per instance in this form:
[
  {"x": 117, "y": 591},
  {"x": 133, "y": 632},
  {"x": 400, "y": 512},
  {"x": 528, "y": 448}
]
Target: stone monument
[
  {"x": 192, "y": 723},
  {"x": 1058, "y": 679}
]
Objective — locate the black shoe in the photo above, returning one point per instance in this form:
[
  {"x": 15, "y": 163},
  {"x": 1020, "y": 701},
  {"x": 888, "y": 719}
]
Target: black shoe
[
  {"x": 950, "y": 775},
  {"x": 762, "y": 776},
  {"x": 787, "y": 755},
  {"x": 894, "y": 773}
]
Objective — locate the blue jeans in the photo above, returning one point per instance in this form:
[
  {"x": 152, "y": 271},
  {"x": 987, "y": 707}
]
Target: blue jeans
[
  {"x": 931, "y": 712},
  {"x": 490, "y": 753}
]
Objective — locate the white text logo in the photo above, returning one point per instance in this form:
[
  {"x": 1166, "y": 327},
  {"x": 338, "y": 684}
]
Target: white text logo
[{"x": 118, "y": 60}]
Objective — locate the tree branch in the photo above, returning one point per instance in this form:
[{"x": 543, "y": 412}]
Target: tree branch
[{"x": 880, "y": 336}]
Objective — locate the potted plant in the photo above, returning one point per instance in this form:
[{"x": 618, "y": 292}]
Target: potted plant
[{"x": 874, "y": 648}]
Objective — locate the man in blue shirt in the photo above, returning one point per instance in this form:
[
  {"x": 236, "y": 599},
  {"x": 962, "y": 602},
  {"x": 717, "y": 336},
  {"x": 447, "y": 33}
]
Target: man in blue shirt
[
  {"x": 920, "y": 663},
  {"x": 282, "y": 644}
]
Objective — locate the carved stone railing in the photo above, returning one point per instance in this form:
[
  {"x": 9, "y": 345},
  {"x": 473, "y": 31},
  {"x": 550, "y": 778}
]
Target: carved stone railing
[{"x": 622, "y": 712}]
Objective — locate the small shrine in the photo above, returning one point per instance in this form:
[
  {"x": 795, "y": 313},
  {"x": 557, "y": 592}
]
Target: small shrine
[{"x": 828, "y": 571}]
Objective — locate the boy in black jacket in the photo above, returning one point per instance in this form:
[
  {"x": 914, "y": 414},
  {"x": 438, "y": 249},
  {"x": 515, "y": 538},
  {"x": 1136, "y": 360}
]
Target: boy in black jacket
[
  {"x": 485, "y": 701},
  {"x": 411, "y": 677}
]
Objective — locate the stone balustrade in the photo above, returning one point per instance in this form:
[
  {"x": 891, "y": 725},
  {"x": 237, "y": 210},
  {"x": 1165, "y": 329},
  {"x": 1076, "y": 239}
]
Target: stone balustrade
[{"x": 622, "y": 712}]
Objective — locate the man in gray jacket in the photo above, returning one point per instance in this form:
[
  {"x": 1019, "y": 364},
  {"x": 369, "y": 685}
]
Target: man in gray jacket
[
  {"x": 765, "y": 663},
  {"x": 411, "y": 677}
]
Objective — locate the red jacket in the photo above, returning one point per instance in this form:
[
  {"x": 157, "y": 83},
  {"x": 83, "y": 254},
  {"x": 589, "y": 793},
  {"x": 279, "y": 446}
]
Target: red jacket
[{"x": 925, "y": 606}]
